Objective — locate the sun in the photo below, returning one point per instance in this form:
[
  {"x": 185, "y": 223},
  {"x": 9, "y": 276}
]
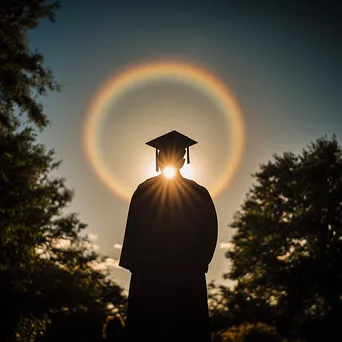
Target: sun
[{"x": 169, "y": 172}]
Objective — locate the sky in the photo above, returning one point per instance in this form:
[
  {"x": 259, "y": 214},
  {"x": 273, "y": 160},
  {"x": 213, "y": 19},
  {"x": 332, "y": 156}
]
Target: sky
[{"x": 280, "y": 60}]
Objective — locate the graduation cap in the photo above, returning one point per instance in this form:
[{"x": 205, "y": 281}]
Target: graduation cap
[{"x": 171, "y": 141}]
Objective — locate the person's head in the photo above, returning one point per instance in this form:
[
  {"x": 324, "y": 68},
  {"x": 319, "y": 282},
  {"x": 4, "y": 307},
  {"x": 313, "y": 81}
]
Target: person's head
[
  {"x": 113, "y": 329},
  {"x": 171, "y": 157},
  {"x": 170, "y": 150}
]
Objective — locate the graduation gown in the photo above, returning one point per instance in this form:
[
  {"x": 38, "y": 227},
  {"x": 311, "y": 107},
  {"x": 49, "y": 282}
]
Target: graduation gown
[{"x": 170, "y": 238}]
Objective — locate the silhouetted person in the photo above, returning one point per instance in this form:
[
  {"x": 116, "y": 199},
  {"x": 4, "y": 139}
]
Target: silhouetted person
[
  {"x": 170, "y": 239},
  {"x": 114, "y": 329}
]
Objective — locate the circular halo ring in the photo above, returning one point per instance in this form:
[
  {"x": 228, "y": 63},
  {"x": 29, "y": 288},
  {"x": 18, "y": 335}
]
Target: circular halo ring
[{"x": 142, "y": 74}]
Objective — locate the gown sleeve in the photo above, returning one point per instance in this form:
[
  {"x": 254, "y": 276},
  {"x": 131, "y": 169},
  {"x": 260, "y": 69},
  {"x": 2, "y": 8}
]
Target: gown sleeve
[
  {"x": 130, "y": 244},
  {"x": 209, "y": 229}
]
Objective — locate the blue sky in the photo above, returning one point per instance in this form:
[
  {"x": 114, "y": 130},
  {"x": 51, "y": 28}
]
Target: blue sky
[{"x": 282, "y": 62}]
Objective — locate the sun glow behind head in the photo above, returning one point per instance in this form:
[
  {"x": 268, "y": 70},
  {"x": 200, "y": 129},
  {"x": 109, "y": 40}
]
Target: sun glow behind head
[
  {"x": 140, "y": 75},
  {"x": 169, "y": 172}
]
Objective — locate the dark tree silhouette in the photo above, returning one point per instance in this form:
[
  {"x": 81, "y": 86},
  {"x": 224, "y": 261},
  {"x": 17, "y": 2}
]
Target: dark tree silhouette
[
  {"x": 23, "y": 76},
  {"x": 286, "y": 255},
  {"x": 46, "y": 267}
]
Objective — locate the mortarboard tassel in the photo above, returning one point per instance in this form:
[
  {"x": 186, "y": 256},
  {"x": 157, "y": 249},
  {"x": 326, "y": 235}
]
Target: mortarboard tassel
[
  {"x": 187, "y": 155},
  {"x": 157, "y": 157}
]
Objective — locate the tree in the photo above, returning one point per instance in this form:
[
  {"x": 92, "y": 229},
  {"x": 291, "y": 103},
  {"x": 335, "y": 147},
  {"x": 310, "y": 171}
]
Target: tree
[
  {"x": 46, "y": 266},
  {"x": 286, "y": 255},
  {"x": 258, "y": 332},
  {"x": 23, "y": 77}
]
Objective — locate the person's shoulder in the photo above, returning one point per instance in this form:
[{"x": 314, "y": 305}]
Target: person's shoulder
[
  {"x": 203, "y": 196},
  {"x": 147, "y": 184},
  {"x": 150, "y": 181},
  {"x": 195, "y": 185}
]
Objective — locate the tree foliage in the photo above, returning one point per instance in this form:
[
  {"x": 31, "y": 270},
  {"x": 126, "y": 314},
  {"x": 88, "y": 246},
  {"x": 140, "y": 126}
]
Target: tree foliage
[
  {"x": 23, "y": 76},
  {"x": 259, "y": 332},
  {"x": 286, "y": 255},
  {"x": 47, "y": 269}
]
